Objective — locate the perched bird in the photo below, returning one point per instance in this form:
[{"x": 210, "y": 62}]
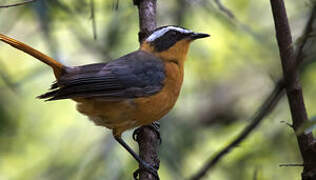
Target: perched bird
[{"x": 133, "y": 90}]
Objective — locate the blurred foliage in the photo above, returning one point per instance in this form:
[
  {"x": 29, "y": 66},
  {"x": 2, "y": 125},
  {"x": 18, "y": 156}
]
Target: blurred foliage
[{"x": 226, "y": 78}]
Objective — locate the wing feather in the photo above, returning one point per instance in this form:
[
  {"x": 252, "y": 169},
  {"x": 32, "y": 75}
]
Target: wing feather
[{"x": 135, "y": 75}]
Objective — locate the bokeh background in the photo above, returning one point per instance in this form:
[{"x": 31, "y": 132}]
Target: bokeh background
[{"x": 227, "y": 77}]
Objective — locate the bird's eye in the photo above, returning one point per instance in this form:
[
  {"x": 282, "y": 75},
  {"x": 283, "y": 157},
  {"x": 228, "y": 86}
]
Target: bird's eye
[{"x": 173, "y": 33}]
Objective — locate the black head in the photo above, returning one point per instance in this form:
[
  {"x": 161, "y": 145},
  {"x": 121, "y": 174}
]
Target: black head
[{"x": 165, "y": 37}]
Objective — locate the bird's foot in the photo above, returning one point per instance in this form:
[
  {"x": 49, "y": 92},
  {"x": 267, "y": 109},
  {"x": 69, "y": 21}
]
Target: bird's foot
[
  {"x": 135, "y": 134},
  {"x": 155, "y": 126},
  {"x": 148, "y": 168}
]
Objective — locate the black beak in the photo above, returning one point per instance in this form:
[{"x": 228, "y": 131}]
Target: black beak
[{"x": 195, "y": 36}]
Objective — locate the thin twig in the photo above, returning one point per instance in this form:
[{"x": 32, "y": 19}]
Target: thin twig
[
  {"x": 116, "y": 5},
  {"x": 308, "y": 30},
  {"x": 92, "y": 17},
  {"x": 264, "y": 110},
  {"x": 287, "y": 165},
  {"x": 229, "y": 17},
  {"x": 255, "y": 174},
  {"x": 289, "y": 124},
  {"x": 17, "y": 4},
  {"x": 224, "y": 9}
]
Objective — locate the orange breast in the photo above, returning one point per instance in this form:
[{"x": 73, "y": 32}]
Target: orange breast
[{"x": 126, "y": 114}]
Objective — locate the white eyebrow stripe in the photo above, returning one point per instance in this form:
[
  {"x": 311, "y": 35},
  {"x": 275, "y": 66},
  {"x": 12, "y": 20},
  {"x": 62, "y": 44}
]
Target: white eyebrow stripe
[{"x": 163, "y": 31}]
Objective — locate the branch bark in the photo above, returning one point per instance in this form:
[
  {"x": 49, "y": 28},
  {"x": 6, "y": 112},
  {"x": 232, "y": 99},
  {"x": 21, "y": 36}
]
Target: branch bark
[
  {"x": 148, "y": 140},
  {"x": 147, "y": 17},
  {"x": 293, "y": 88}
]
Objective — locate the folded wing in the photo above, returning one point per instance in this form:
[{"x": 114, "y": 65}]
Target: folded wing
[{"x": 138, "y": 74}]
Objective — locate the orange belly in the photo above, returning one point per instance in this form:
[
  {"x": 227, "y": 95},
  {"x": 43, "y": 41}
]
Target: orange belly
[{"x": 121, "y": 115}]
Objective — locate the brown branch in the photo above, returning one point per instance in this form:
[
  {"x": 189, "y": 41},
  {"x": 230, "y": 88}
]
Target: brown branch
[
  {"x": 293, "y": 87},
  {"x": 256, "y": 119},
  {"x": 290, "y": 70},
  {"x": 147, "y": 17},
  {"x": 264, "y": 110},
  {"x": 148, "y": 140},
  {"x": 17, "y": 4}
]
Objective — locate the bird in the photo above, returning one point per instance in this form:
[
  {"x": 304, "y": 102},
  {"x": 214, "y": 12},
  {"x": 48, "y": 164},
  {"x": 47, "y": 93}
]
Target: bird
[{"x": 136, "y": 89}]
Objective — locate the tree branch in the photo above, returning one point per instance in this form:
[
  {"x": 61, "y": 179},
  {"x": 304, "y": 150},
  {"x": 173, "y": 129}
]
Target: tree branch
[
  {"x": 303, "y": 39},
  {"x": 264, "y": 110},
  {"x": 293, "y": 87},
  {"x": 289, "y": 66},
  {"x": 147, "y": 17},
  {"x": 148, "y": 140},
  {"x": 17, "y": 4},
  {"x": 224, "y": 9},
  {"x": 288, "y": 165},
  {"x": 269, "y": 103},
  {"x": 92, "y": 17}
]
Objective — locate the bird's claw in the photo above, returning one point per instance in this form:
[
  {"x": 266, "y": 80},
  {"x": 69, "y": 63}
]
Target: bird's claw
[
  {"x": 135, "y": 134},
  {"x": 154, "y": 126},
  {"x": 148, "y": 168}
]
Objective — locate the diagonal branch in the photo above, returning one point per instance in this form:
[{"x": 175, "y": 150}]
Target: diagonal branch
[
  {"x": 17, "y": 4},
  {"x": 262, "y": 112},
  {"x": 224, "y": 9}
]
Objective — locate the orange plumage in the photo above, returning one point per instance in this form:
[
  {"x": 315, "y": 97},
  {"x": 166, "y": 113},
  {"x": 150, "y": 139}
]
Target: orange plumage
[
  {"x": 136, "y": 89},
  {"x": 143, "y": 110}
]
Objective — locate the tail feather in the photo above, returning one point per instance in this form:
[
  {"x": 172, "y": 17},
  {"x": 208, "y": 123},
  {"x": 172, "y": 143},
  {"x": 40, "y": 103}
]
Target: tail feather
[
  {"x": 54, "y": 86},
  {"x": 57, "y": 67},
  {"x": 54, "y": 90},
  {"x": 47, "y": 95}
]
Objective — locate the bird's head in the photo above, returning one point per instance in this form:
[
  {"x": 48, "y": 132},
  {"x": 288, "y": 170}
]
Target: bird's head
[{"x": 170, "y": 43}]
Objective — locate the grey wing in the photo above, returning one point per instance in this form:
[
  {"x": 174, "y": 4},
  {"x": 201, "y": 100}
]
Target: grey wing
[{"x": 138, "y": 74}]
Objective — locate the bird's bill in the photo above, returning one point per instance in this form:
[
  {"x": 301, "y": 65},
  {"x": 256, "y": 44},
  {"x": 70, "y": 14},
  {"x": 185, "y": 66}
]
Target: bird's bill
[{"x": 195, "y": 36}]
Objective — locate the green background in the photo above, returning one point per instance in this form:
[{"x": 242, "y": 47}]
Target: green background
[{"x": 227, "y": 77}]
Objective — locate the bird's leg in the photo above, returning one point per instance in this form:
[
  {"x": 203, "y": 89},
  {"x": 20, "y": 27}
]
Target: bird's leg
[
  {"x": 155, "y": 126},
  {"x": 145, "y": 165}
]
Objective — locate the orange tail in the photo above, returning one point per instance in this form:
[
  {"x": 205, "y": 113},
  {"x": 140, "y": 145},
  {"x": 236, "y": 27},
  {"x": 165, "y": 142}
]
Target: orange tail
[{"x": 57, "y": 67}]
